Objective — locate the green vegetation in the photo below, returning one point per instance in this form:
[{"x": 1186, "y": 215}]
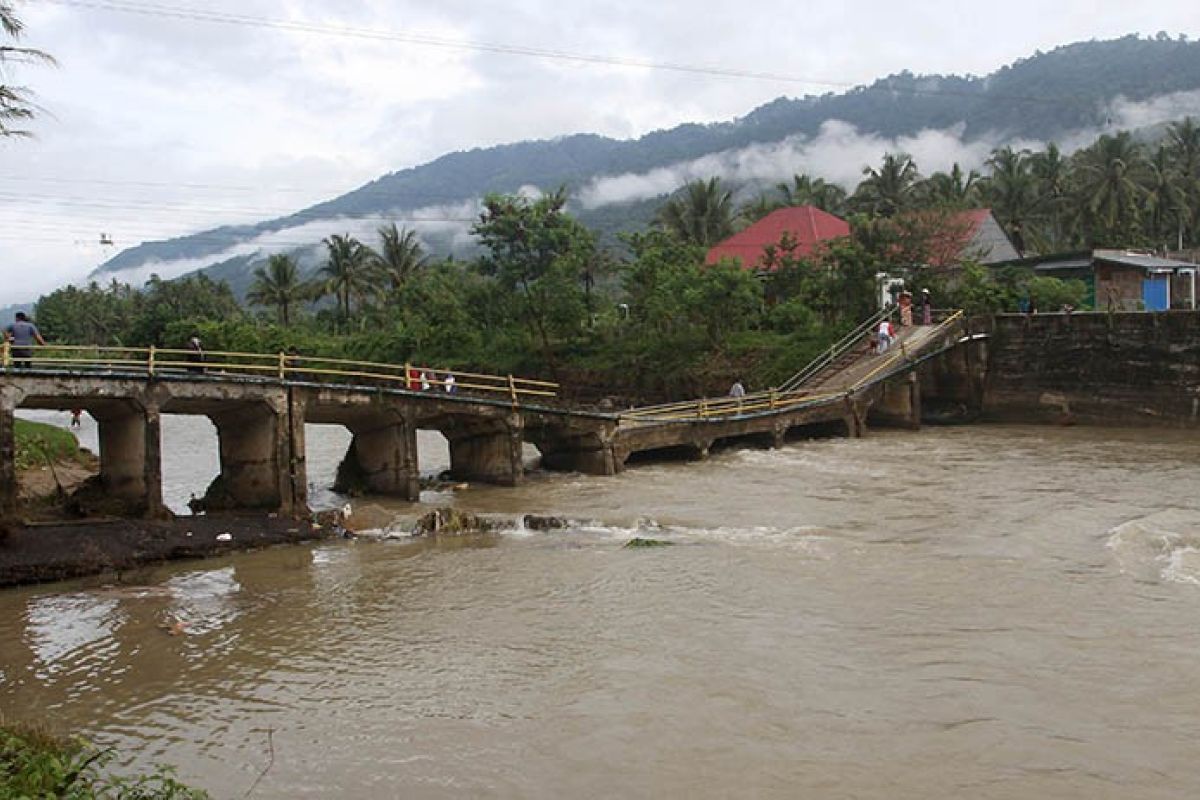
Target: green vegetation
[
  {"x": 648, "y": 320},
  {"x": 39, "y": 444},
  {"x": 16, "y": 106},
  {"x": 36, "y": 764}
]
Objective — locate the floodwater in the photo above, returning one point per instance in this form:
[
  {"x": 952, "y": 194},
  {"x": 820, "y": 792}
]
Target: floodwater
[{"x": 995, "y": 612}]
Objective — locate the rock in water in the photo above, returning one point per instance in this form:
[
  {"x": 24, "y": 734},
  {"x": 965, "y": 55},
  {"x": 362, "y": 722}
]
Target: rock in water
[
  {"x": 451, "y": 522},
  {"x": 537, "y": 522}
]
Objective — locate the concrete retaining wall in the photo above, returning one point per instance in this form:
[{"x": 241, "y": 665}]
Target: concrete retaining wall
[{"x": 1122, "y": 369}]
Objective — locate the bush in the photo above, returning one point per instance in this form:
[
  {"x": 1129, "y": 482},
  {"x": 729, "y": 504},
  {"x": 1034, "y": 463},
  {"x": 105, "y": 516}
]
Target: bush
[{"x": 37, "y": 764}]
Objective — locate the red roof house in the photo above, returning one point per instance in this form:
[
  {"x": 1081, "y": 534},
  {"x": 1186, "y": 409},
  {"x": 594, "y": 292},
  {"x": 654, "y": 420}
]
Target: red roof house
[{"x": 805, "y": 226}]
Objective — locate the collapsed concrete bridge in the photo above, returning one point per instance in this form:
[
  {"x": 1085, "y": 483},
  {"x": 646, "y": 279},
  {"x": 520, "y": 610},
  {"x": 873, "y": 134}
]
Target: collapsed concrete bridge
[{"x": 260, "y": 410}]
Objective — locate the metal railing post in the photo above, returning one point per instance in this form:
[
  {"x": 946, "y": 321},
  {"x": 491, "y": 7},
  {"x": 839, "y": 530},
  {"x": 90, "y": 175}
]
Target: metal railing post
[
  {"x": 407, "y": 375},
  {"x": 512, "y": 390},
  {"x": 150, "y": 361},
  {"x": 282, "y": 366},
  {"x": 7, "y": 354}
]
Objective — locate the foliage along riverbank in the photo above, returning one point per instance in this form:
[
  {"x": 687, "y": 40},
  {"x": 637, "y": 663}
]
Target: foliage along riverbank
[{"x": 36, "y": 763}]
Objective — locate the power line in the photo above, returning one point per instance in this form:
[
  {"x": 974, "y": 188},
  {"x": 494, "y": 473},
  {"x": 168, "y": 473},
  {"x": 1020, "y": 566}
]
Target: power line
[{"x": 430, "y": 40}]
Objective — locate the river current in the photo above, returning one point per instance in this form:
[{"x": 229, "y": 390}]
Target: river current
[{"x": 990, "y": 611}]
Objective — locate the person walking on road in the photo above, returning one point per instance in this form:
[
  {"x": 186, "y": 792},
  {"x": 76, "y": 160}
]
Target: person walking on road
[{"x": 22, "y": 335}]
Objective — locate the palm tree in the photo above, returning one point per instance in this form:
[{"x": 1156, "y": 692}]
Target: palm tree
[
  {"x": 14, "y": 100},
  {"x": 807, "y": 191},
  {"x": 1183, "y": 143},
  {"x": 890, "y": 189},
  {"x": 399, "y": 257},
  {"x": 278, "y": 284},
  {"x": 1166, "y": 199},
  {"x": 1110, "y": 193},
  {"x": 1051, "y": 190},
  {"x": 1010, "y": 191},
  {"x": 701, "y": 215},
  {"x": 346, "y": 272},
  {"x": 953, "y": 190}
]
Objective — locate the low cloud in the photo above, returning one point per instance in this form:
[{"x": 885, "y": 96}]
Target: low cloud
[
  {"x": 449, "y": 223},
  {"x": 840, "y": 152}
]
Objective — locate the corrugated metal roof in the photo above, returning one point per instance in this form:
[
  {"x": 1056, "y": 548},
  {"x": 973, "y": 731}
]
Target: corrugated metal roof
[
  {"x": 1140, "y": 260},
  {"x": 1068, "y": 263}
]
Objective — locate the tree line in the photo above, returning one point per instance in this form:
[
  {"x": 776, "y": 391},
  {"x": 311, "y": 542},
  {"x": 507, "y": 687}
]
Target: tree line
[
  {"x": 1120, "y": 191},
  {"x": 647, "y": 319}
]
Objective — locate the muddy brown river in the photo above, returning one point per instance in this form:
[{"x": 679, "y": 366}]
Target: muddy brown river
[{"x": 993, "y": 612}]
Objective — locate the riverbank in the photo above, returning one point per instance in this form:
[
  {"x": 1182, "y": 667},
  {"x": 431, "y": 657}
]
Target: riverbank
[{"x": 54, "y": 551}]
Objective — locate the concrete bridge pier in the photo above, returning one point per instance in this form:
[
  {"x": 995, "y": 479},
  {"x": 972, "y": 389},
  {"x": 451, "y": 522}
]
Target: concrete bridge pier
[
  {"x": 855, "y": 418},
  {"x": 899, "y": 403},
  {"x": 386, "y": 453},
  {"x": 487, "y": 450},
  {"x": 571, "y": 450},
  {"x": 255, "y": 463},
  {"x": 130, "y": 454},
  {"x": 8, "y": 455}
]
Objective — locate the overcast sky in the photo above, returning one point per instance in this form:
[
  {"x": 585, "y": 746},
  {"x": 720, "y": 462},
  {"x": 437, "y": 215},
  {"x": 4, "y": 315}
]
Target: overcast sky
[{"x": 156, "y": 125}]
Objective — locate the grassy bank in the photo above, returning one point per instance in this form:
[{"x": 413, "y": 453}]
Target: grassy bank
[
  {"x": 38, "y": 443},
  {"x": 35, "y": 763}
]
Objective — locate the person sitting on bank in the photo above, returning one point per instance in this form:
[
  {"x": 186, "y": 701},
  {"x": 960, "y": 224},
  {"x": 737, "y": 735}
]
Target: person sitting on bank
[
  {"x": 23, "y": 335},
  {"x": 737, "y": 390}
]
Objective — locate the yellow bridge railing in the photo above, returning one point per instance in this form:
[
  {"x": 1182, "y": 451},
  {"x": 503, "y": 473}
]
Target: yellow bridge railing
[
  {"x": 283, "y": 367},
  {"x": 773, "y": 399}
]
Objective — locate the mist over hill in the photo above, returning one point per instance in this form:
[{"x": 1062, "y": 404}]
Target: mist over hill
[{"x": 1068, "y": 95}]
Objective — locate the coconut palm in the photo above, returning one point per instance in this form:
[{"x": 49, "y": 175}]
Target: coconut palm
[
  {"x": 1051, "y": 174},
  {"x": 890, "y": 189},
  {"x": 1166, "y": 199},
  {"x": 702, "y": 214},
  {"x": 1183, "y": 144},
  {"x": 15, "y": 105},
  {"x": 808, "y": 191},
  {"x": 1009, "y": 190},
  {"x": 278, "y": 284},
  {"x": 1111, "y": 195},
  {"x": 346, "y": 274},
  {"x": 952, "y": 190},
  {"x": 399, "y": 257}
]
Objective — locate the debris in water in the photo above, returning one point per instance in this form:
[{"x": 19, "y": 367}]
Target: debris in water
[
  {"x": 224, "y": 537},
  {"x": 638, "y": 541}
]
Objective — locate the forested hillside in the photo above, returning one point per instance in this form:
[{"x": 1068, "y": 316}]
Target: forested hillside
[{"x": 1043, "y": 97}]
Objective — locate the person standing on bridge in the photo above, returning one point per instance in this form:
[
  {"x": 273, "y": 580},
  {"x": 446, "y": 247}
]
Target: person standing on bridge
[
  {"x": 449, "y": 383},
  {"x": 926, "y": 308},
  {"x": 906, "y": 309},
  {"x": 737, "y": 390},
  {"x": 195, "y": 355},
  {"x": 22, "y": 335}
]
